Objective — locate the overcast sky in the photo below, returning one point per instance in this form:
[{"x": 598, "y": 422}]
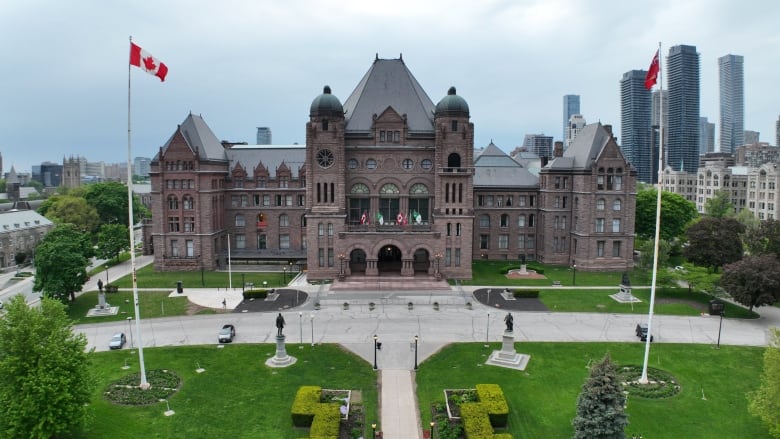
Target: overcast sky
[{"x": 244, "y": 64}]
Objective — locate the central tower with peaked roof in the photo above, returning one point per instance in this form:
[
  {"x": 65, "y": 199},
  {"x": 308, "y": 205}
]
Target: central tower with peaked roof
[{"x": 389, "y": 175}]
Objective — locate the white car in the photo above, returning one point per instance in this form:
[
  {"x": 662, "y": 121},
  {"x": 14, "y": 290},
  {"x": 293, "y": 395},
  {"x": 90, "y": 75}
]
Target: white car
[
  {"x": 117, "y": 341},
  {"x": 1, "y": 304},
  {"x": 679, "y": 268}
]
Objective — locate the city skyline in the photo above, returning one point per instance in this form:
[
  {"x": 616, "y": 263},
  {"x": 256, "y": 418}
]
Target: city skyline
[{"x": 72, "y": 97}]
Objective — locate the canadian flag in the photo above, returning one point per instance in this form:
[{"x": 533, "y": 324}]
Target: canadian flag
[{"x": 143, "y": 59}]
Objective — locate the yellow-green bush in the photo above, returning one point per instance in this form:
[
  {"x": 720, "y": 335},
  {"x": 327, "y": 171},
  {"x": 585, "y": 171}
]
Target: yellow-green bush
[
  {"x": 326, "y": 421},
  {"x": 495, "y": 404},
  {"x": 305, "y": 406},
  {"x": 476, "y": 423}
]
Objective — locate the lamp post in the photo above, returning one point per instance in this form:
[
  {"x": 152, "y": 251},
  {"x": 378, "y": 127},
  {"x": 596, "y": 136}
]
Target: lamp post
[
  {"x": 416, "y": 338},
  {"x": 487, "y": 331},
  {"x": 720, "y": 325},
  {"x": 373, "y": 431},
  {"x": 375, "y": 339},
  {"x": 130, "y": 329},
  {"x": 311, "y": 318},
  {"x": 300, "y": 324},
  {"x": 437, "y": 256},
  {"x": 573, "y": 273},
  {"x": 433, "y": 426},
  {"x": 342, "y": 256},
  {"x": 284, "y": 271}
]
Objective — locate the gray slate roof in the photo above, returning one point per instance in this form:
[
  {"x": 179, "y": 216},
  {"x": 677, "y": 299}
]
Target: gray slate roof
[
  {"x": 271, "y": 156},
  {"x": 585, "y": 148},
  {"x": 389, "y": 83},
  {"x": 16, "y": 220},
  {"x": 200, "y": 138},
  {"x": 494, "y": 168}
]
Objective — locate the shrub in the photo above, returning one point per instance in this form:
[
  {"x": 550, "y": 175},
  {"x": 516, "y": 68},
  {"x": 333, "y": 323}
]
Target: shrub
[
  {"x": 305, "y": 405},
  {"x": 110, "y": 288},
  {"x": 525, "y": 294},
  {"x": 326, "y": 422},
  {"x": 255, "y": 294},
  {"x": 492, "y": 398},
  {"x": 476, "y": 423}
]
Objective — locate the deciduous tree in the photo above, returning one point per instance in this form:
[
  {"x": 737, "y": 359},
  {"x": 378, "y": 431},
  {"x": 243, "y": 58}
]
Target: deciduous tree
[
  {"x": 110, "y": 201},
  {"x": 764, "y": 238},
  {"x": 719, "y": 206},
  {"x": 764, "y": 402},
  {"x": 112, "y": 240},
  {"x": 45, "y": 379},
  {"x": 68, "y": 209},
  {"x": 676, "y": 213},
  {"x": 61, "y": 264},
  {"x": 600, "y": 412},
  {"x": 714, "y": 242},
  {"x": 753, "y": 281}
]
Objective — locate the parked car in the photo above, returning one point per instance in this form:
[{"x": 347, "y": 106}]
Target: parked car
[
  {"x": 641, "y": 332},
  {"x": 117, "y": 341},
  {"x": 1, "y": 304},
  {"x": 227, "y": 333}
]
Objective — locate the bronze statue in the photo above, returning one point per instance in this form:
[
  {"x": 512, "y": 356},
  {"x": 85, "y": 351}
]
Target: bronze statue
[
  {"x": 279, "y": 325},
  {"x": 509, "y": 320},
  {"x": 625, "y": 281}
]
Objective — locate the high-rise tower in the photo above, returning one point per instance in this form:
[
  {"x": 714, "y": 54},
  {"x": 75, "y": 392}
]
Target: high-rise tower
[
  {"x": 682, "y": 149},
  {"x": 571, "y": 106},
  {"x": 635, "y": 117},
  {"x": 732, "y": 102}
]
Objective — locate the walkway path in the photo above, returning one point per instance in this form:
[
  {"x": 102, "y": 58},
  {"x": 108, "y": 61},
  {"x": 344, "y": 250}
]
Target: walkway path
[{"x": 396, "y": 326}]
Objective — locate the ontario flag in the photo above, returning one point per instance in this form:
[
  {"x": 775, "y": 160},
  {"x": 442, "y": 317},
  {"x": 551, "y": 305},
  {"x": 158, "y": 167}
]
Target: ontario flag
[
  {"x": 143, "y": 59},
  {"x": 652, "y": 73}
]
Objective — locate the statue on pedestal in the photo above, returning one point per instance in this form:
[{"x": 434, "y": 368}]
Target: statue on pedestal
[{"x": 509, "y": 320}]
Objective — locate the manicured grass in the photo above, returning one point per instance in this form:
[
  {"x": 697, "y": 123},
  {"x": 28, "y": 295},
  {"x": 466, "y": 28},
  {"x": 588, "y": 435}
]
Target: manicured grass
[
  {"x": 671, "y": 301},
  {"x": 237, "y": 396},
  {"x": 152, "y": 304},
  {"x": 493, "y": 273},
  {"x": 542, "y": 399},
  {"x": 148, "y": 278}
]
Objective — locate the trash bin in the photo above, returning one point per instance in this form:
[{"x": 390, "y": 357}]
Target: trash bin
[
  {"x": 179, "y": 288},
  {"x": 716, "y": 307}
]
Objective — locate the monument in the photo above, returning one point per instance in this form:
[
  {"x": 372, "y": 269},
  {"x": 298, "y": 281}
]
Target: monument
[
  {"x": 103, "y": 308},
  {"x": 508, "y": 356},
  {"x": 280, "y": 359},
  {"x": 624, "y": 295}
]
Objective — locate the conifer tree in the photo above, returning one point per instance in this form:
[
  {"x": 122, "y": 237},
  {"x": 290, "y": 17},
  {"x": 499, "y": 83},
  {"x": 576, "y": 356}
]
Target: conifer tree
[{"x": 600, "y": 405}]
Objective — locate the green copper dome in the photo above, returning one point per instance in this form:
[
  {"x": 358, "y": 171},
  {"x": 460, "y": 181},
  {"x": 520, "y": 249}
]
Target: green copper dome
[
  {"x": 326, "y": 104},
  {"x": 452, "y": 105}
]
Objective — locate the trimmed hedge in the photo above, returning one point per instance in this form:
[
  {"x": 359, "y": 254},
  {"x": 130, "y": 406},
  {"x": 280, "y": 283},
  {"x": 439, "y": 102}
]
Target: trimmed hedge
[
  {"x": 305, "y": 406},
  {"x": 255, "y": 294},
  {"x": 476, "y": 423},
  {"x": 110, "y": 288},
  {"x": 327, "y": 421},
  {"x": 525, "y": 294},
  {"x": 492, "y": 397}
]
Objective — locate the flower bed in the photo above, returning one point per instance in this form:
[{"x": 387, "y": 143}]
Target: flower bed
[{"x": 126, "y": 390}]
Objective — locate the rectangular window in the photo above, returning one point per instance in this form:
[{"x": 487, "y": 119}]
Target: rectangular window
[
  {"x": 330, "y": 257},
  {"x": 266, "y": 200},
  {"x": 616, "y": 226},
  {"x": 277, "y": 200},
  {"x": 321, "y": 257},
  {"x": 173, "y": 223},
  {"x": 489, "y": 201},
  {"x": 240, "y": 221},
  {"x": 484, "y": 242},
  {"x": 447, "y": 257},
  {"x": 600, "y": 225},
  {"x": 262, "y": 242},
  {"x": 190, "y": 248},
  {"x": 301, "y": 200},
  {"x": 531, "y": 200},
  {"x": 503, "y": 242},
  {"x": 618, "y": 183},
  {"x": 530, "y": 242},
  {"x": 600, "y": 248},
  {"x": 557, "y": 182},
  {"x": 288, "y": 200},
  {"x": 521, "y": 221},
  {"x": 382, "y": 136},
  {"x": 520, "y": 241},
  {"x": 600, "y": 182},
  {"x": 321, "y": 229},
  {"x": 616, "y": 249},
  {"x": 521, "y": 201},
  {"x": 284, "y": 181},
  {"x": 189, "y": 224},
  {"x": 240, "y": 242},
  {"x": 284, "y": 241},
  {"x": 480, "y": 200},
  {"x": 457, "y": 229},
  {"x": 234, "y": 200},
  {"x": 175, "y": 248}
]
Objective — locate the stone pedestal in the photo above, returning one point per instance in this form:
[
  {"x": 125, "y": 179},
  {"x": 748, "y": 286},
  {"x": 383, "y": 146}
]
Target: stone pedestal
[
  {"x": 281, "y": 359},
  {"x": 102, "y": 301},
  {"x": 624, "y": 296},
  {"x": 523, "y": 270},
  {"x": 103, "y": 308},
  {"x": 507, "y": 356}
]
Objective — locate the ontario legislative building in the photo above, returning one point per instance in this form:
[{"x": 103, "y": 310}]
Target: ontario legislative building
[{"x": 388, "y": 183}]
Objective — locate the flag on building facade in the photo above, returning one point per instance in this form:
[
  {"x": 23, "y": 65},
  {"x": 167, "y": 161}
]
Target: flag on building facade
[
  {"x": 652, "y": 73},
  {"x": 364, "y": 218},
  {"x": 143, "y": 59},
  {"x": 380, "y": 219}
]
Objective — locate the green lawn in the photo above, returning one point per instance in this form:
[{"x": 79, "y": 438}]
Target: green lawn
[
  {"x": 493, "y": 273},
  {"x": 542, "y": 399},
  {"x": 237, "y": 396},
  {"x": 148, "y": 278},
  {"x": 152, "y": 304}
]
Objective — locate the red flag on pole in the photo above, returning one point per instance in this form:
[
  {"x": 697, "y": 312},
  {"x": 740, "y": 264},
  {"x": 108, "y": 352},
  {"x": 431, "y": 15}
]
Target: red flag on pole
[
  {"x": 148, "y": 63},
  {"x": 652, "y": 72}
]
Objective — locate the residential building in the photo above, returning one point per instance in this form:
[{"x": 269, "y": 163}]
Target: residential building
[
  {"x": 751, "y": 137},
  {"x": 264, "y": 136},
  {"x": 706, "y": 136},
  {"x": 682, "y": 149},
  {"x": 571, "y": 106},
  {"x": 732, "y": 103},
  {"x": 576, "y": 123},
  {"x": 141, "y": 166},
  {"x": 635, "y": 117},
  {"x": 539, "y": 144},
  {"x": 756, "y": 154}
]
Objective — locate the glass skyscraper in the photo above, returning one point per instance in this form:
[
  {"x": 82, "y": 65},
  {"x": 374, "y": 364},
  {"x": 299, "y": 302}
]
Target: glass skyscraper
[
  {"x": 732, "y": 103},
  {"x": 571, "y": 106},
  {"x": 635, "y": 118},
  {"x": 683, "y": 71}
]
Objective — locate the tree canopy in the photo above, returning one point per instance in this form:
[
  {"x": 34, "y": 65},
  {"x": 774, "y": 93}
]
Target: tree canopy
[
  {"x": 112, "y": 240},
  {"x": 67, "y": 209},
  {"x": 764, "y": 238},
  {"x": 600, "y": 412},
  {"x": 110, "y": 201},
  {"x": 753, "y": 281},
  {"x": 719, "y": 206},
  {"x": 61, "y": 261},
  {"x": 764, "y": 402},
  {"x": 45, "y": 378},
  {"x": 714, "y": 242},
  {"x": 676, "y": 213}
]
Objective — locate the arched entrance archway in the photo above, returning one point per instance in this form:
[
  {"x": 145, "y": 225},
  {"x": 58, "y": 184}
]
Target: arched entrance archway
[
  {"x": 357, "y": 261},
  {"x": 421, "y": 261},
  {"x": 389, "y": 259}
]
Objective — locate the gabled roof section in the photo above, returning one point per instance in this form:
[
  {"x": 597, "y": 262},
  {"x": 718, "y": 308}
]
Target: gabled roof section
[
  {"x": 200, "y": 138},
  {"x": 494, "y": 168},
  {"x": 388, "y": 83},
  {"x": 585, "y": 148}
]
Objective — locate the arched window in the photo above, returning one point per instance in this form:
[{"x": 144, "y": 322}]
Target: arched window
[
  {"x": 419, "y": 204},
  {"x": 188, "y": 202},
  {"x": 173, "y": 202},
  {"x": 389, "y": 188},
  {"x": 453, "y": 160},
  {"x": 600, "y": 204},
  {"x": 617, "y": 204},
  {"x": 359, "y": 188},
  {"x": 389, "y": 203}
]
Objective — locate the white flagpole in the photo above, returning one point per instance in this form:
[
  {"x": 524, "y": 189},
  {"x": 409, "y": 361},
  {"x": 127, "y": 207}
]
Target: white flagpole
[
  {"x": 643, "y": 379},
  {"x": 144, "y": 383},
  {"x": 230, "y": 270}
]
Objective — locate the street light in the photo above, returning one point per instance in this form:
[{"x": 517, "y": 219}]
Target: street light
[
  {"x": 437, "y": 256},
  {"x": 415, "y": 351},
  {"x": 342, "y": 256},
  {"x": 130, "y": 330},
  {"x": 311, "y": 318},
  {"x": 433, "y": 425},
  {"x": 720, "y": 325},
  {"x": 487, "y": 331},
  {"x": 300, "y": 324},
  {"x": 573, "y": 273},
  {"x": 375, "y": 349},
  {"x": 373, "y": 431},
  {"x": 284, "y": 270}
]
